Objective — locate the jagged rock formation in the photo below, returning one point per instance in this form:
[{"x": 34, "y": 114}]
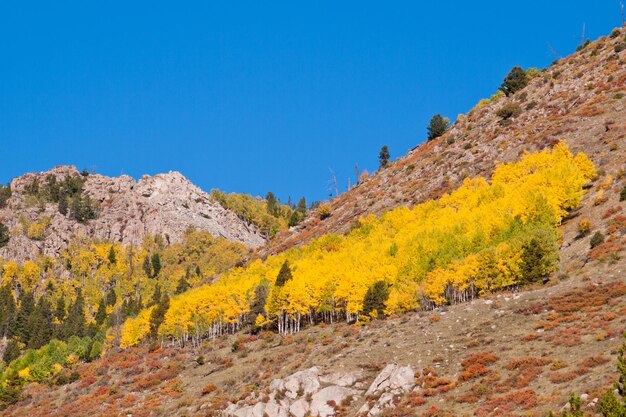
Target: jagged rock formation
[{"x": 165, "y": 204}]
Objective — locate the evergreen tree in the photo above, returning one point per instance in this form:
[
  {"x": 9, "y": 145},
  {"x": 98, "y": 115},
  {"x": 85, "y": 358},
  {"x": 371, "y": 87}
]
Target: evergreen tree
[
  {"x": 74, "y": 324},
  {"x": 257, "y": 306},
  {"x": 383, "y": 157},
  {"x": 12, "y": 351},
  {"x": 375, "y": 299},
  {"x": 156, "y": 264},
  {"x": 183, "y": 285},
  {"x": 147, "y": 267},
  {"x": 112, "y": 257},
  {"x": 273, "y": 205},
  {"x": 156, "y": 296},
  {"x": 284, "y": 274},
  {"x": 301, "y": 207},
  {"x": 514, "y": 81},
  {"x": 22, "y": 322},
  {"x": 295, "y": 218},
  {"x": 63, "y": 206},
  {"x": 111, "y": 297},
  {"x": 8, "y": 311},
  {"x": 438, "y": 126},
  {"x": 5, "y": 235},
  {"x": 40, "y": 325},
  {"x": 198, "y": 271},
  {"x": 59, "y": 311},
  {"x": 101, "y": 313},
  {"x": 538, "y": 257},
  {"x": 158, "y": 315}
]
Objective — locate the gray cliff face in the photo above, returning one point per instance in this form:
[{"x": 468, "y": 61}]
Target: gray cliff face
[{"x": 129, "y": 210}]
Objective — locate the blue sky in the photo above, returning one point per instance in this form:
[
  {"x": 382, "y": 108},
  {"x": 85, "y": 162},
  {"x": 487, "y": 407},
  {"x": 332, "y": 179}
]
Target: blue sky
[{"x": 257, "y": 96}]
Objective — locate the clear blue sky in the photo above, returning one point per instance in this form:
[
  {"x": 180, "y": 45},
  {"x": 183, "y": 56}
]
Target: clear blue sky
[{"x": 257, "y": 96}]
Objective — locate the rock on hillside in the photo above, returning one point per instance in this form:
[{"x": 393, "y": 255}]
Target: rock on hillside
[
  {"x": 167, "y": 204},
  {"x": 580, "y": 100}
]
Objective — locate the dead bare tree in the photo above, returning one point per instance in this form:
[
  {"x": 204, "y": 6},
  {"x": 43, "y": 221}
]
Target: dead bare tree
[
  {"x": 333, "y": 182},
  {"x": 554, "y": 52},
  {"x": 356, "y": 166},
  {"x": 582, "y": 38}
]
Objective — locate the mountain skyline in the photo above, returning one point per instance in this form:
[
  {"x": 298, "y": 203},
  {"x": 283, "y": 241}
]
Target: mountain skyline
[{"x": 249, "y": 98}]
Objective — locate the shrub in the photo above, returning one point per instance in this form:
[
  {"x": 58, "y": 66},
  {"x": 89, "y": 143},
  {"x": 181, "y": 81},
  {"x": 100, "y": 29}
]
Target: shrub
[
  {"x": 584, "y": 227},
  {"x": 209, "y": 389},
  {"x": 615, "y": 33},
  {"x": 514, "y": 81},
  {"x": 619, "y": 47},
  {"x": 323, "y": 211},
  {"x": 437, "y": 126},
  {"x": 509, "y": 111},
  {"x": 622, "y": 194},
  {"x": 596, "y": 240}
]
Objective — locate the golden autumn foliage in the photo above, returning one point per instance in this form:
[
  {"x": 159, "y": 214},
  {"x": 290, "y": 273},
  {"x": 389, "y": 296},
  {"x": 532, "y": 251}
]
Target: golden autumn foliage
[
  {"x": 90, "y": 266},
  {"x": 480, "y": 238}
]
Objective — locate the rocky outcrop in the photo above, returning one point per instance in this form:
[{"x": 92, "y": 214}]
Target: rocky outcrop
[
  {"x": 310, "y": 393},
  {"x": 165, "y": 204}
]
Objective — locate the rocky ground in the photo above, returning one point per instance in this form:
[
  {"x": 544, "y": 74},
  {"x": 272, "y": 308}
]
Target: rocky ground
[{"x": 513, "y": 354}]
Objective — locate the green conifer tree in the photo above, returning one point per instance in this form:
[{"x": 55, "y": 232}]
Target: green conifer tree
[
  {"x": 375, "y": 298},
  {"x": 284, "y": 274}
]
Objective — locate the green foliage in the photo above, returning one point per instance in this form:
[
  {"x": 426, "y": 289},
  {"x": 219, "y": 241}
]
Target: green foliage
[
  {"x": 539, "y": 256},
  {"x": 509, "y": 111},
  {"x": 37, "y": 365},
  {"x": 575, "y": 407},
  {"x": 383, "y": 157},
  {"x": 183, "y": 285},
  {"x": 158, "y": 314},
  {"x": 74, "y": 324},
  {"x": 269, "y": 215},
  {"x": 8, "y": 311},
  {"x": 112, "y": 257},
  {"x": 23, "y": 322},
  {"x": 40, "y": 324},
  {"x": 438, "y": 126},
  {"x": 514, "y": 81},
  {"x": 375, "y": 298},
  {"x": 5, "y": 235},
  {"x": 596, "y": 240},
  {"x": 156, "y": 264},
  {"x": 622, "y": 195},
  {"x": 284, "y": 275},
  {"x": 82, "y": 208},
  {"x": 273, "y": 205}
]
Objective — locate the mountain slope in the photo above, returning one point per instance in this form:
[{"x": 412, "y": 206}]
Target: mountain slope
[
  {"x": 579, "y": 100},
  {"x": 508, "y": 354},
  {"x": 127, "y": 211}
]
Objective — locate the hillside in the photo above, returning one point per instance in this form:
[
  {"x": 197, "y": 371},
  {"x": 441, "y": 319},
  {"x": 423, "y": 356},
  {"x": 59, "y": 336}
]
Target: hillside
[
  {"x": 125, "y": 211},
  {"x": 579, "y": 100},
  {"x": 500, "y": 292}
]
